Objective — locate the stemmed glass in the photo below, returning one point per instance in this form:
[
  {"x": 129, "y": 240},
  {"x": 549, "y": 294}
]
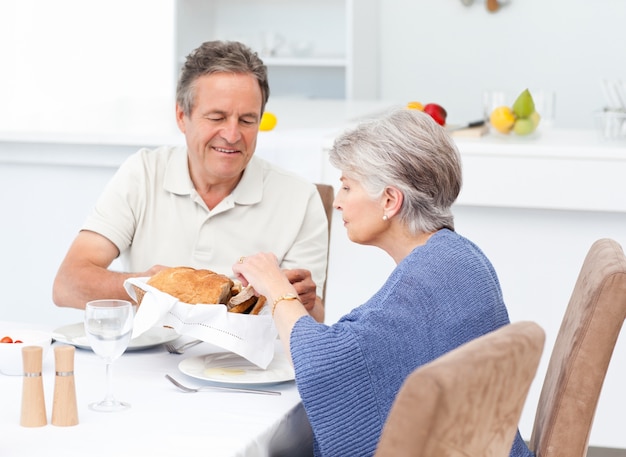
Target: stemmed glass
[{"x": 108, "y": 326}]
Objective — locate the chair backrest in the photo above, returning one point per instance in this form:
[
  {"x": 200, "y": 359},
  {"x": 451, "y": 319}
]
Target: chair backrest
[
  {"x": 581, "y": 354},
  {"x": 327, "y": 193},
  {"x": 467, "y": 402}
]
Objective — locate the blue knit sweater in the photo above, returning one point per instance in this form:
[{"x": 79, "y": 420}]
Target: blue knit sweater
[{"x": 440, "y": 296}]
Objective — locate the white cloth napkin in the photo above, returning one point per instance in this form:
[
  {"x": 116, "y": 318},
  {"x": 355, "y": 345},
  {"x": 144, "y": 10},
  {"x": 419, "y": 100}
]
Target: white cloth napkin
[{"x": 252, "y": 337}]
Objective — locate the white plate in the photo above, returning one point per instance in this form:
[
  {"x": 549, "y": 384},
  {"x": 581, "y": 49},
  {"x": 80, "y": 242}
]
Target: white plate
[
  {"x": 74, "y": 334},
  {"x": 230, "y": 368}
]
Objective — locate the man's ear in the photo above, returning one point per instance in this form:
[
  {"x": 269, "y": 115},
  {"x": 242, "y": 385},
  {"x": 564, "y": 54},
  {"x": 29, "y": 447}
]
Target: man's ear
[{"x": 180, "y": 118}]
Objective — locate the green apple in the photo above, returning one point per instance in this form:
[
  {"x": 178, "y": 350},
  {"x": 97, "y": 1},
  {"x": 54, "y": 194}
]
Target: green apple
[
  {"x": 535, "y": 117},
  {"x": 524, "y": 126}
]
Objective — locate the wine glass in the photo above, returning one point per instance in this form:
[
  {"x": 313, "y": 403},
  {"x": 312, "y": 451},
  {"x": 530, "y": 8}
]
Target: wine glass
[{"x": 108, "y": 326}]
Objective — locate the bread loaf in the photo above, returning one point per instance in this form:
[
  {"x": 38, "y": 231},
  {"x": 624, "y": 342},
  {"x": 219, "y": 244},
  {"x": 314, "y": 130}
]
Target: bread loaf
[
  {"x": 205, "y": 287},
  {"x": 193, "y": 286}
]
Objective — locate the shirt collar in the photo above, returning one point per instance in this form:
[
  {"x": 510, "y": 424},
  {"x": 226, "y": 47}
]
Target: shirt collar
[
  {"x": 250, "y": 189},
  {"x": 178, "y": 181}
]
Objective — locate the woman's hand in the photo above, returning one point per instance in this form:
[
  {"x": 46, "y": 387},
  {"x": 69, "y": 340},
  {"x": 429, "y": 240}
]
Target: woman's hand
[{"x": 263, "y": 273}]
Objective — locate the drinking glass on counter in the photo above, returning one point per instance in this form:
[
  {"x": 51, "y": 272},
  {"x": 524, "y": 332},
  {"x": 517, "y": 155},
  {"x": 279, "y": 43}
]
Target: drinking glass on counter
[
  {"x": 611, "y": 124},
  {"x": 109, "y": 326}
]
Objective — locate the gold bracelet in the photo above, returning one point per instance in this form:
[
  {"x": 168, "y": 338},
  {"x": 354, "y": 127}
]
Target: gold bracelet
[{"x": 281, "y": 298}]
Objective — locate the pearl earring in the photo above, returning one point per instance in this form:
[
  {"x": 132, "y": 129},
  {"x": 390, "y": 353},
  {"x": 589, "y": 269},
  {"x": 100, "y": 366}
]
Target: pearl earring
[{"x": 385, "y": 217}]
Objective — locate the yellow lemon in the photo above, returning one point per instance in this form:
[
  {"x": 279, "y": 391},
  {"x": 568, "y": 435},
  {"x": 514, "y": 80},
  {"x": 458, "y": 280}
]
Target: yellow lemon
[
  {"x": 502, "y": 119},
  {"x": 415, "y": 105},
  {"x": 268, "y": 122}
]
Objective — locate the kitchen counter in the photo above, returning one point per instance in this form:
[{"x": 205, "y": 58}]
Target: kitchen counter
[
  {"x": 154, "y": 123},
  {"x": 548, "y": 143},
  {"x": 551, "y": 169},
  {"x": 557, "y": 169}
]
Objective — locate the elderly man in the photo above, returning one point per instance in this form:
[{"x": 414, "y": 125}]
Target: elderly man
[{"x": 204, "y": 205}]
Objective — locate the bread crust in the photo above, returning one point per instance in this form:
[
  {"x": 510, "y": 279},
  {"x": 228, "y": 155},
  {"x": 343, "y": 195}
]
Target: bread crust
[
  {"x": 260, "y": 303},
  {"x": 193, "y": 286}
]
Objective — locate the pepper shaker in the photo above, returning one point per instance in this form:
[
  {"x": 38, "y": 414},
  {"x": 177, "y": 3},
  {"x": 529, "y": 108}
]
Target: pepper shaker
[
  {"x": 33, "y": 404},
  {"x": 64, "y": 410}
]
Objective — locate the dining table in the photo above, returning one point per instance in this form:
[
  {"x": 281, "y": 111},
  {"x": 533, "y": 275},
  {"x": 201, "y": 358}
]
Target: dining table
[{"x": 162, "y": 420}]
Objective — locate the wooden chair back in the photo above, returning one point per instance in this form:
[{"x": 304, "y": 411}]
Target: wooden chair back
[
  {"x": 581, "y": 354},
  {"x": 327, "y": 193}
]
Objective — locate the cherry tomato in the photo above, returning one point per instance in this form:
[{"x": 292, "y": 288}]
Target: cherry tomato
[
  {"x": 17, "y": 341},
  {"x": 6, "y": 339}
]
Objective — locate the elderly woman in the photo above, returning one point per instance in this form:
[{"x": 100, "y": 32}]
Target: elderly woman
[{"x": 400, "y": 176}]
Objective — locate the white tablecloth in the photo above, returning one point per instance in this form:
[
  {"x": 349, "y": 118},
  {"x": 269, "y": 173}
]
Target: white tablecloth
[{"x": 162, "y": 420}]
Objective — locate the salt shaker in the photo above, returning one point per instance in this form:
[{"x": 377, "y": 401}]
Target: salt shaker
[
  {"x": 33, "y": 404},
  {"x": 64, "y": 411}
]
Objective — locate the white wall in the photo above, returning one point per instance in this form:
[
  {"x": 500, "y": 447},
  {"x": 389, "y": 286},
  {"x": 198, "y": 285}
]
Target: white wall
[
  {"x": 63, "y": 58},
  {"x": 444, "y": 52},
  {"x": 64, "y": 61},
  {"x": 43, "y": 205}
]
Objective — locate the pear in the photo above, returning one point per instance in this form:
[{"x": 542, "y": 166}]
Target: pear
[{"x": 524, "y": 105}]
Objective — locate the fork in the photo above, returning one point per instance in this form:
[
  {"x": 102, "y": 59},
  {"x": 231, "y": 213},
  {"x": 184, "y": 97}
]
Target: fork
[
  {"x": 180, "y": 349},
  {"x": 232, "y": 389}
]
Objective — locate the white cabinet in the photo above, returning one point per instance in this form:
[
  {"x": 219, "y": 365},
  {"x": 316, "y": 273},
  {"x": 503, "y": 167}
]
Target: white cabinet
[{"x": 312, "y": 48}]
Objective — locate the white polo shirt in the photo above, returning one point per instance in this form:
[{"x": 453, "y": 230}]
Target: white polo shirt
[{"x": 151, "y": 211}]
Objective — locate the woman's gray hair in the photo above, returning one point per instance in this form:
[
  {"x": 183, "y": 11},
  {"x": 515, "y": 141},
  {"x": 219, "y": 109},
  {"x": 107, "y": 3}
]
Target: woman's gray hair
[
  {"x": 407, "y": 150},
  {"x": 219, "y": 57}
]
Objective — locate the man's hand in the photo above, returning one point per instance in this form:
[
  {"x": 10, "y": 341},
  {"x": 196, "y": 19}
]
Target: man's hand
[{"x": 305, "y": 287}]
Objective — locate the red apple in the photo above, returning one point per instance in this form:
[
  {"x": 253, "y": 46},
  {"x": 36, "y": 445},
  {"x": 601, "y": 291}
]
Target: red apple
[{"x": 436, "y": 112}]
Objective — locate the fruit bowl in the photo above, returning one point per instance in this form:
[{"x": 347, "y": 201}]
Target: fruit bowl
[
  {"x": 11, "y": 353},
  {"x": 518, "y": 114}
]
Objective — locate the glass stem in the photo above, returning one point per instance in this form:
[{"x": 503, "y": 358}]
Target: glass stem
[{"x": 109, "y": 396}]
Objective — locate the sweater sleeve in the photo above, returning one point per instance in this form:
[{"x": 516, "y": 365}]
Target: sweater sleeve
[{"x": 335, "y": 386}]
